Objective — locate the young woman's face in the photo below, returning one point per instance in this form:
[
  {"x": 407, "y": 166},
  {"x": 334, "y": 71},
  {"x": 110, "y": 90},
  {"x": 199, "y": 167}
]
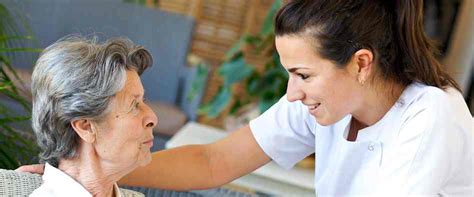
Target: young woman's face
[{"x": 330, "y": 93}]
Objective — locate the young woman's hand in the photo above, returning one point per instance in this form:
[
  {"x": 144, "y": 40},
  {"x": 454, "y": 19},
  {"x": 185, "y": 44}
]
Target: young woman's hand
[{"x": 34, "y": 168}]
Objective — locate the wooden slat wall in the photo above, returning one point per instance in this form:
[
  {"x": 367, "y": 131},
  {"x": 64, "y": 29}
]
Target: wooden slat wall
[{"x": 219, "y": 24}]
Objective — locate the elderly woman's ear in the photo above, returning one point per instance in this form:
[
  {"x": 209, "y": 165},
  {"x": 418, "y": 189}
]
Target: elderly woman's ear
[{"x": 85, "y": 129}]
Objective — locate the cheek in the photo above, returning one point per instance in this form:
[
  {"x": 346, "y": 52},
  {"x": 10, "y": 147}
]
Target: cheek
[
  {"x": 315, "y": 89},
  {"x": 133, "y": 135},
  {"x": 130, "y": 123},
  {"x": 337, "y": 94},
  {"x": 345, "y": 97},
  {"x": 123, "y": 134}
]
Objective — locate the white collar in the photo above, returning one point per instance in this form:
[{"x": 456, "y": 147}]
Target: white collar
[
  {"x": 61, "y": 184},
  {"x": 117, "y": 191}
]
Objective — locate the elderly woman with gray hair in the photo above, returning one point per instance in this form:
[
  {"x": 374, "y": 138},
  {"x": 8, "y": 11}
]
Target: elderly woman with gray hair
[{"x": 89, "y": 116}]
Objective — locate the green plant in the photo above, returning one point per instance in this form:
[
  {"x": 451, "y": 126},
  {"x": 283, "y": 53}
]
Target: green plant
[
  {"x": 139, "y": 2},
  {"x": 15, "y": 147},
  {"x": 152, "y": 3},
  {"x": 263, "y": 87},
  {"x": 198, "y": 82}
]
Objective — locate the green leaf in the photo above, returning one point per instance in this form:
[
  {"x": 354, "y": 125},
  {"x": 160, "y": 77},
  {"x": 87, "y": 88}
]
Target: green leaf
[
  {"x": 265, "y": 104},
  {"x": 139, "y": 2},
  {"x": 6, "y": 85},
  {"x": 236, "y": 48},
  {"x": 218, "y": 104},
  {"x": 265, "y": 88},
  {"x": 253, "y": 84},
  {"x": 15, "y": 147},
  {"x": 265, "y": 43},
  {"x": 36, "y": 50},
  {"x": 199, "y": 82},
  {"x": 268, "y": 27},
  {"x": 276, "y": 60},
  {"x": 18, "y": 98},
  {"x": 235, "y": 107},
  {"x": 13, "y": 119},
  {"x": 8, "y": 66},
  {"x": 15, "y": 136},
  {"x": 5, "y": 38},
  {"x": 235, "y": 71},
  {"x": 7, "y": 158}
]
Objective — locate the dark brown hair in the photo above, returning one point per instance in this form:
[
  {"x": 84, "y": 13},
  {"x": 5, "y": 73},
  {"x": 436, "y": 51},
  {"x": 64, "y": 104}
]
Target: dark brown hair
[{"x": 391, "y": 29}]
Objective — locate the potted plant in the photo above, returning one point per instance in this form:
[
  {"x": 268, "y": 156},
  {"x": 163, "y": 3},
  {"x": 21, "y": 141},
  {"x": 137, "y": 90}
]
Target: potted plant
[
  {"x": 16, "y": 139},
  {"x": 262, "y": 87}
]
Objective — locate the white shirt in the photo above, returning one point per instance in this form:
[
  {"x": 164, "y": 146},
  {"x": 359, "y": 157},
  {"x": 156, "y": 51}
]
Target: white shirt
[
  {"x": 58, "y": 183},
  {"x": 422, "y": 146}
]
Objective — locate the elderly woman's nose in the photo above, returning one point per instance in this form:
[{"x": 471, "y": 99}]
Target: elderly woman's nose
[{"x": 151, "y": 120}]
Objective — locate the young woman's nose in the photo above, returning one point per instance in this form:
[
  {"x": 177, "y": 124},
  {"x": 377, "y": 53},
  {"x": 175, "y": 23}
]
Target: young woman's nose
[{"x": 293, "y": 91}]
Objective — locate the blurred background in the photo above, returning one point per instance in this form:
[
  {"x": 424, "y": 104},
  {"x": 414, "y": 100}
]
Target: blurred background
[{"x": 215, "y": 67}]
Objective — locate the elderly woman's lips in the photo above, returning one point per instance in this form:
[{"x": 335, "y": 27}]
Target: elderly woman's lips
[{"x": 149, "y": 143}]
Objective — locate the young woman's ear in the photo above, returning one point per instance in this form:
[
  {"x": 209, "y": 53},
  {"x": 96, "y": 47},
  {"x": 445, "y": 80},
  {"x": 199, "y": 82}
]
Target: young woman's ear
[
  {"x": 363, "y": 61},
  {"x": 84, "y": 129}
]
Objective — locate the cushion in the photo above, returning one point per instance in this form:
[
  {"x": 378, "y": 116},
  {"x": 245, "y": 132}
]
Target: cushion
[{"x": 170, "y": 118}]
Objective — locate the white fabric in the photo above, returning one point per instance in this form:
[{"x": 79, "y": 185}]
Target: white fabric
[
  {"x": 422, "y": 146},
  {"x": 58, "y": 183}
]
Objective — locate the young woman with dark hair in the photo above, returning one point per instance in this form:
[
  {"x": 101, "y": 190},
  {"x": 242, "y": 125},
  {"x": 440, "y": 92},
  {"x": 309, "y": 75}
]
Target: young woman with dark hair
[{"x": 365, "y": 94}]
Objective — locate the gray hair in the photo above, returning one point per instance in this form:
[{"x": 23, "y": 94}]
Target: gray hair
[{"x": 76, "y": 78}]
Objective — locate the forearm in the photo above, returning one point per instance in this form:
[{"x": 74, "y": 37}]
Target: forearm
[
  {"x": 182, "y": 168},
  {"x": 201, "y": 166}
]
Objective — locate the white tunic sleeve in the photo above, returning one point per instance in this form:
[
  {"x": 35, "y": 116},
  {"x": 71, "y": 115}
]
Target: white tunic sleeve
[{"x": 285, "y": 132}]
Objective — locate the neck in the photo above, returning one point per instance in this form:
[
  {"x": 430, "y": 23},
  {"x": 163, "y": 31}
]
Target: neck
[
  {"x": 377, "y": 102},
  {"x": 96, "y": 176}
]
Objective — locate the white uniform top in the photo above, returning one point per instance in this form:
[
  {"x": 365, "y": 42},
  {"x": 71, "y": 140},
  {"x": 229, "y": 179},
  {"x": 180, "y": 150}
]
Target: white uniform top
[
  {"x": 58, "y": 183},
  {"x": 423, "y": 145}
]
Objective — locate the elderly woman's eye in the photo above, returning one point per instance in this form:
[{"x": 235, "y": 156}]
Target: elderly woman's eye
[{"x": 134, "y": 106}]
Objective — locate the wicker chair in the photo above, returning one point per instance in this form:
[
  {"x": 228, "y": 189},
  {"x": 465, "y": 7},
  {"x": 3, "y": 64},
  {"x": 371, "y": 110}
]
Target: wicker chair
[
  {"x": 18, "y": 183},
  {"x": 14, "y": 183}
]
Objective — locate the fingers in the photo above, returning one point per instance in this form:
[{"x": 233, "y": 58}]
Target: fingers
[{"x": 35, "y": 168}]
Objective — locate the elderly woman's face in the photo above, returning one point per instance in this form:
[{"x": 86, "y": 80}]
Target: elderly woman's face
[{"x": 125, "y": 136}]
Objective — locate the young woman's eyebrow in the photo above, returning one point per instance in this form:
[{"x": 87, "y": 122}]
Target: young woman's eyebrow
[{"x": 294, "y": 69}]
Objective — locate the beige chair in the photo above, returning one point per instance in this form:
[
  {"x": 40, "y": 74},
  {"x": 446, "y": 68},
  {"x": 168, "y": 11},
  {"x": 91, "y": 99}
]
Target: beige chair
[{"x": 14, "y": 183}]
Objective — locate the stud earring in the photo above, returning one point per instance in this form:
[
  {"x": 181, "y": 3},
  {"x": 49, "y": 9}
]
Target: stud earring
[{"x": 361, "y": 81}]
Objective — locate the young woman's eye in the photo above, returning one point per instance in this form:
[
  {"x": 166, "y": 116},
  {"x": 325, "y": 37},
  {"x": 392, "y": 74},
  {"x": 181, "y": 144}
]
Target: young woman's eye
[{"x": 302, "y": 76}]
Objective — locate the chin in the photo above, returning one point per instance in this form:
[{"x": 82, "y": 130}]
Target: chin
[
  {"x": 146, "y": 160},
  {"x": 322, "y": 123},
  {"x": 325, "y": 121}
]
